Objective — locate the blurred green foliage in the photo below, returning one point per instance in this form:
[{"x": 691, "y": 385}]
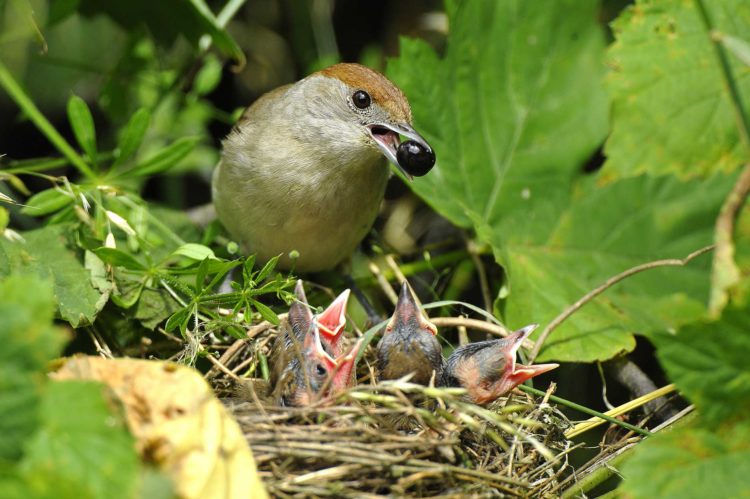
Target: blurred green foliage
[{"x": 516, "y": 99}]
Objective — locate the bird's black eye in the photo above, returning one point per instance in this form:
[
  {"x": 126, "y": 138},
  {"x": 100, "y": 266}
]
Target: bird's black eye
[
  {"x": 320, "y": 370},
  {"x": 361, "y": 99}
]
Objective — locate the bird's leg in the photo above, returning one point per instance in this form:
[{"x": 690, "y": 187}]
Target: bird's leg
[{"x": 373, "y": 317}]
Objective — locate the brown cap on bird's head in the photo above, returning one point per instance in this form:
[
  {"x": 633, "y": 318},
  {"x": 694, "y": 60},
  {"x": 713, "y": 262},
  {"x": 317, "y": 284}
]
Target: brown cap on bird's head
[
  {"x": 488, "y": 369},
  {"x": 382, "y": 91}
]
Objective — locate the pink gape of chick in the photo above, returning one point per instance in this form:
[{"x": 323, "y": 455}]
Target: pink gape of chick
[
  {"x": 306, "y": 356},
  {"x": 488, "y": 369}
]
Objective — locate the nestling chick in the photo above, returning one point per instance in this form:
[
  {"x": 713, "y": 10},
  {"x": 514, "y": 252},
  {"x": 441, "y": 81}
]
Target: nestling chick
[
  {"x": 299, "y": 321},
  {"x": 409, "y": 344},
  {"x": 488, "y": 369},
  {"x": 304, "y": 169},
  {"x": 315, "y": 374}
]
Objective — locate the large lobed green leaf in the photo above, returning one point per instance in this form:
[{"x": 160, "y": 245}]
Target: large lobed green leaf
[
  {"x": 47, "y": 252},
  {"x": 61, "y": 439},
  {"x": 28, "y": 342},
  {"x": 691, "y": 463},
  {"x": 512, "y": 109},
  {"x": 708, "y": 362},
  {"x": 603, "y": 232},
  {"x": 82, "y": 448},
  {"x": 672, "y": 111}
]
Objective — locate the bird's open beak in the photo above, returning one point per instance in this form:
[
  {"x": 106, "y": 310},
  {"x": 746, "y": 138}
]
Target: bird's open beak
[
  {"x": 340, "y": 368},
  {"x": 345, "y": 365},
  {"x": 519, "y": 372},
  {"x": 386, "y": 136},
  {"x": 333, "y": 319},
  {"x": 408, "y": 314}
]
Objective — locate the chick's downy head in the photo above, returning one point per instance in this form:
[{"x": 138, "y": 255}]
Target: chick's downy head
[{"x": 409, "y": 344}]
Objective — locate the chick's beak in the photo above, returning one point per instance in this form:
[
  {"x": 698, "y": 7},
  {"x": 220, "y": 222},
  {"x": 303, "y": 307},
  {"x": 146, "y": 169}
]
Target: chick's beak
[
  {"x": 345, "y": 364},
  {"x": 386, "y": 136},
  {"x": 300, "y": 316},
  {"x": 333, "y": 319},
  {"x": 408, "y": 314},
  {"x": 519, "y": 373}
]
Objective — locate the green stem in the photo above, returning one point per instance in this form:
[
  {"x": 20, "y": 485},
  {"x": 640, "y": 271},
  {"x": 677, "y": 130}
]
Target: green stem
[
  {"x": 605, "y": 471},
  {"x": 155, "y": 222},
  {"x": 41, "y": 164},
  {"x": 726, "y": 70},
  {"x": 17, "y": 93},
  {"x": 228, "y": 11},
  {"x": 597, "y": 477},
  {"x": 585, "y": 410}
]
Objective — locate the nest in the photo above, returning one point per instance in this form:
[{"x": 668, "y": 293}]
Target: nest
[{"x": 397, "y": 438}]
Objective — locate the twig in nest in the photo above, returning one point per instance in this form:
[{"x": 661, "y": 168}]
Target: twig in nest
[
  {"x": 669, "y": 262},
  {"x": 487, "y": 327},
  {"x": 725, "y": 272},
  {"x": 385, "y": 286},
  {"x": 221, "y": 366}
]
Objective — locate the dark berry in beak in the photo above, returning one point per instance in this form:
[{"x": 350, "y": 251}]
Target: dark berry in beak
[{"x": 415, "y": 158}]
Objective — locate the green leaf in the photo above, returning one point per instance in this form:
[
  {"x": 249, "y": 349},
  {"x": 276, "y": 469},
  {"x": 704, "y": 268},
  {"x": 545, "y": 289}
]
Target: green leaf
[
  {"x": 691, "y": 463},
  {"x": 119, "y": 258},
  {"x": 195, "y": 251},
  {"x": 4, "y": 219},
  {"x": 16, "y": 182},
  {"x": 208, "y": 77},
  {"x": 60, "y": 10},
  {"x": 179, "y": 320},
  {"x": 265, "y": 312},
  {"x": 129, "y": 289},
  {"x": 132, "y": 136},
  {"x": 220, "y": 269},
  {"x": 82, "y": 123},
  {"x": 247, "y": 269},
  {"x": 48, "y": 253},
  {"x": 605, "y": 231},
  {"x": 709, "y": 363},
  {"x": 672, "y": 111},
  {"x": 83, "y": 448},
  {"x": 521, "y": 105},
  {"x": 46, "y": 202},
  {"x": 154, "y": 307},
  {"x": 29, "y": 341},
  {"x": 221, "y": 38},
  {"x": 166, "y": 158},
  {"x": 267, "y": 269}
]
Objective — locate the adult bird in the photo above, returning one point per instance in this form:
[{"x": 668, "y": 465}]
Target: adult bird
[{"x": 304, "y": 170}]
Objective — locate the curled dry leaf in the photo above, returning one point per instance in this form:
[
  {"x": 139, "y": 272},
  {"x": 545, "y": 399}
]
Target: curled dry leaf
[{"x": 178, "y": 424}]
